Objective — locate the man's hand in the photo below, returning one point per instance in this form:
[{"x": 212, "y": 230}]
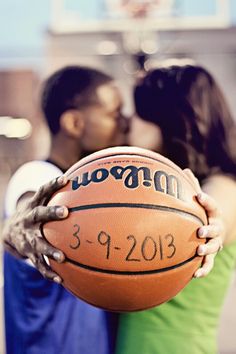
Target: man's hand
[
  {"x": 214, "y": 231},
  {"x": 21, "y": 233}
]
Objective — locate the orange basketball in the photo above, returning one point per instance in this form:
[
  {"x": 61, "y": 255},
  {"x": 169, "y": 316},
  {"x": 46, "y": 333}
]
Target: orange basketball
[{"x": 130, "y": 238}]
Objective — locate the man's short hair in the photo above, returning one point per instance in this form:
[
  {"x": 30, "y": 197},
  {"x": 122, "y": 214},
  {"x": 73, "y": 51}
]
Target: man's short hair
[{"x": 72, "y": 87}]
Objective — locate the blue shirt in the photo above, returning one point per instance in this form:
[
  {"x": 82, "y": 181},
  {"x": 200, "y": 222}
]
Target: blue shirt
[{"x": 42, "y": 317}]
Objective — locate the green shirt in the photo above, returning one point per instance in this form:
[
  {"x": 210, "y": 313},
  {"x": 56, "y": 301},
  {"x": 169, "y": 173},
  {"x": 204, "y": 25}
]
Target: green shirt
[{"x": 186, "y": 324}]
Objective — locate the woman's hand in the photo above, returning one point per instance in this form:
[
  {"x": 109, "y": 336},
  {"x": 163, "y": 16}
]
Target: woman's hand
[
  {"x": 214, "y": 232},
  {"x": 22, "y": 232}
]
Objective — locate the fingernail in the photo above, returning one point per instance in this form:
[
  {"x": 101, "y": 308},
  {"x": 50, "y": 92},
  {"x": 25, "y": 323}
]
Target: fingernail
[
  {"x": 62, "y": 180},
  {"x": 61, "y": 212},
  {"x": 202, "y": 232},
  {"x": 57, "y": 256},
  {"x": 198, "y": 273},
  {"x": 201, "y": 250},
  {"x": 201, "y": 196},
  {"x": 57, "y": 280},
  {"x": 220, "y": 248}
]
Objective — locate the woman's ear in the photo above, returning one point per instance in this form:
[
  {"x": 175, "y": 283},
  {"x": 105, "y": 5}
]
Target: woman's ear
[{"x": 72, "y": 123}]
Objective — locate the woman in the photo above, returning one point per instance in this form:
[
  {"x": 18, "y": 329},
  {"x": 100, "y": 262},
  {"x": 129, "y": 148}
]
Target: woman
[{"x": 197, "y": 132}]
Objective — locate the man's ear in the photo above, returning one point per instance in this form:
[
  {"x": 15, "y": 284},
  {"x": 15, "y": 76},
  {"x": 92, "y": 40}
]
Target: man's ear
[{"x": 72, "y": 123}]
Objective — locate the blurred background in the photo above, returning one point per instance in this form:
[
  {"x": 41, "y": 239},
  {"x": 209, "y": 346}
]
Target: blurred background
[{"x": 119, "y": 37}]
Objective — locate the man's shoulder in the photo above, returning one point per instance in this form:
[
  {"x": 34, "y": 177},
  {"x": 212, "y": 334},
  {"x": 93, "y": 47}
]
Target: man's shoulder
[
  {"x": 28, "y": 178},
  {"x": 36, "y": 168}
]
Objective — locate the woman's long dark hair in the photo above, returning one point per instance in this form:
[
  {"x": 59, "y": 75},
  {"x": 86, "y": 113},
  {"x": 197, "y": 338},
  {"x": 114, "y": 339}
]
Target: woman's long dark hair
[{"x": 190, "y": 109}]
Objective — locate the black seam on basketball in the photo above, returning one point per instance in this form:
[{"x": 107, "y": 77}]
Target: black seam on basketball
[
  {"x": 125, "y": 272},
  {"x": 136, "y": 205},
  {"x": 137, "y": 155}
]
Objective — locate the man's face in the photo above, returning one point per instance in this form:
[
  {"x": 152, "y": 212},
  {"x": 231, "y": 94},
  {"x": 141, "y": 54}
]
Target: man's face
[{"x": 104, "y": 122}]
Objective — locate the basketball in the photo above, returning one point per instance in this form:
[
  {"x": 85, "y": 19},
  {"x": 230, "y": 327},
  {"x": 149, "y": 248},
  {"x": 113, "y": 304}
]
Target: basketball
[{"x": 130, "y": 239}]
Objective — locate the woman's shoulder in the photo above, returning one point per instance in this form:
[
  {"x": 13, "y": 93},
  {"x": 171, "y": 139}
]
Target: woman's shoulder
[{"x": 220, "y": 183}]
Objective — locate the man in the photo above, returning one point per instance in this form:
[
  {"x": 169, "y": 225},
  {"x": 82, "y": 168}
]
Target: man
[
  {"x": 82, "y": 107},
  {"x": 22, "y": 234}
]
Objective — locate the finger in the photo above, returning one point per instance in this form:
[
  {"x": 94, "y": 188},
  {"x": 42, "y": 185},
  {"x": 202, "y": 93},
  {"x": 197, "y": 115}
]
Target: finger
[
  {"x": 209, "y": 204},
  {"x": 44, "y": 248},
  {"x": 192, "y": 178},
  {"x": 47, "y": 190},
  {"x": 44, "y": 269},
  {"x": 209, "y": 231},
  {"x": 42, "y": 214},
  {"x": 211, "y": 247},
  {"x": 207, "y": 266}
]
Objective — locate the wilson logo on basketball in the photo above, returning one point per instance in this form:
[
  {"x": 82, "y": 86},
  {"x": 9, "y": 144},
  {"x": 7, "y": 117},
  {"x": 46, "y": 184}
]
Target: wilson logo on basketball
[{"x": 132, "y": 177}]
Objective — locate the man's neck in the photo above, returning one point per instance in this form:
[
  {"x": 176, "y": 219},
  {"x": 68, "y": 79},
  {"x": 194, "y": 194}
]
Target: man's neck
[{"x": 64, "y": 152}]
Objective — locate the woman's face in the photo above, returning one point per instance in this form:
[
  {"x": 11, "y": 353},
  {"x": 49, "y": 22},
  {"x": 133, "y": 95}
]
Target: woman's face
[{"x": 145, "y": 135}]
